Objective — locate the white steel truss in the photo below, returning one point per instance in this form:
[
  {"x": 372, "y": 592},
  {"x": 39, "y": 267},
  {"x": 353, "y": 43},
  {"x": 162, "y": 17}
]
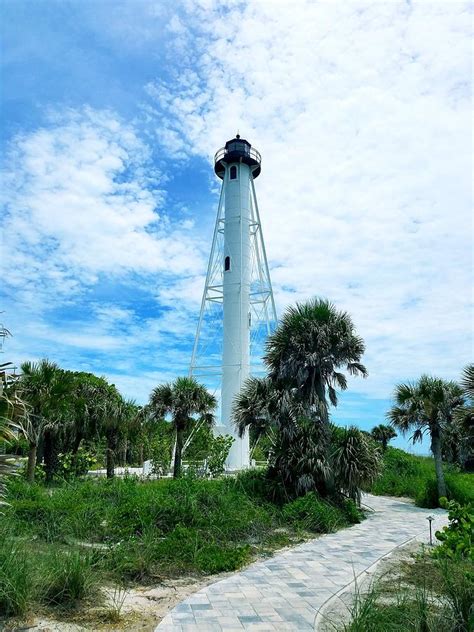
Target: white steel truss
[{"x": 206, "y": 361}]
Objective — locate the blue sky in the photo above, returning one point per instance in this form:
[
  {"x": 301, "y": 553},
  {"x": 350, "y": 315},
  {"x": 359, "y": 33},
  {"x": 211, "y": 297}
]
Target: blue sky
[{"x": 111, "y": 113}]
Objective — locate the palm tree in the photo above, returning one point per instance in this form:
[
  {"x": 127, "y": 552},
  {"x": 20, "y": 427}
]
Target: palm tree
[
  {"x": 116, "y": 415},
  {"x": 426, "y": 406},
  {"x": 464, "y": 418},
  {"x": 383, "y": 434},
  {"x": 182, "y": 400},
  {"x": 12, "y": 415},
  {"x": 355, "y": 461},
  {"x": 41, "y": 388},
  {"x": 312, "y": 343}
]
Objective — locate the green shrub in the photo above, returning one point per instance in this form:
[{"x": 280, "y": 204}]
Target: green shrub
[
  {"x": 67, "y": 578},
  {"x": 16, "y": 584},
  {"x": 313, "y": 514},
  {"x": 457, "y": 538},
  {"x": 70, "y": 466},
  {"x": 427, "y": 496},
  {"x": 214, "y": 559},
  {"x": 414, "y": 476}
]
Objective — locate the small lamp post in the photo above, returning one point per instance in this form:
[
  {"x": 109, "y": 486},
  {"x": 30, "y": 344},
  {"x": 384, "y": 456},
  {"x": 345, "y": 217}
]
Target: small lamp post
[{"x": 430, "y": 520}]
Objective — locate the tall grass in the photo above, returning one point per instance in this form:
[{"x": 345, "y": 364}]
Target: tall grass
[
  {"x": 140, "y": 531},
  {"x": 67, "y": 578},
  {"x": 16, "y": 581},
  {"x": 428, "y": 596},
  {"x": 405, "y": 474}
]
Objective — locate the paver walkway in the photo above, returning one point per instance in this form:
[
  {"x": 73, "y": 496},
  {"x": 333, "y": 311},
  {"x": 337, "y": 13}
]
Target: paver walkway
[{"x": 285, "y": 592}]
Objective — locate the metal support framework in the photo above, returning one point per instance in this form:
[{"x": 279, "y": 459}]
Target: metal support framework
[{"x": 207, "y": 357}]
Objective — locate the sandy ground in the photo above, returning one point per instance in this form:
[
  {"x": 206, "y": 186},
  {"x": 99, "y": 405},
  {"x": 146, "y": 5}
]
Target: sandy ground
[{"x": 141, "y": 609}]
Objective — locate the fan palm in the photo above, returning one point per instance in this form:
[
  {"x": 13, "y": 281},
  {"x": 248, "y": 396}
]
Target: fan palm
[
  {"x": 464, "y": 416},
  {"x": 311, "y": 344},
  {"x": 383, "y": 434},
  {"x": 423, "y": 407},
  {"x": 12, "y": 414},
  {"x": 42, "y": 389},
  {"x": 356, "y": 462},
  {"x": 182, "y": 399},
  {"x": 116, "y": 415}
]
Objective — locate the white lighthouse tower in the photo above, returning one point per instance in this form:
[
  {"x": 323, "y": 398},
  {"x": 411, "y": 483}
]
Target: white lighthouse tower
[{"x": 237, "y": 283}]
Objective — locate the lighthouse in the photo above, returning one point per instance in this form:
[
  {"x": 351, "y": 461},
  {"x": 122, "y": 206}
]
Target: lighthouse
[{"x": 237, "y": 281}]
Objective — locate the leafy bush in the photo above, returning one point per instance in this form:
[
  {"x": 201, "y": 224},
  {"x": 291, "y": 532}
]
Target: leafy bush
[
  {"x": 457, "y": 538},
  {"x": 218, "y": 453},
  {"x": 313, "y": 514},
  {"x": 70, "y": 466}
]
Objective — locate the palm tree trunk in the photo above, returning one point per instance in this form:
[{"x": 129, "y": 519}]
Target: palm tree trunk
[
  {"x": 30, "y": 469},
  {"x": 436, "y": 450},
  {"x": 110, "y": 457},
  {"x": 49, "y": 455},
  {"x": 177, "y": 454},
  {"x": 40, "y": 450}
]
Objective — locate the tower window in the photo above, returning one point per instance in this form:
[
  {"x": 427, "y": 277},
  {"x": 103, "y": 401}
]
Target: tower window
[
  {"x": 233, "y": 172},
  {"x": 227, "y": 264}
]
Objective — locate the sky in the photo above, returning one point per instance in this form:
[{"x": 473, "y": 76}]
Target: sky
[{"x": 111, "y": 113}]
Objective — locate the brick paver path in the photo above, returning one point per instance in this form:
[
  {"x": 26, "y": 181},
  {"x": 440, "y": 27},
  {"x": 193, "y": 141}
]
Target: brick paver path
[{"x": 285, "y": 592}]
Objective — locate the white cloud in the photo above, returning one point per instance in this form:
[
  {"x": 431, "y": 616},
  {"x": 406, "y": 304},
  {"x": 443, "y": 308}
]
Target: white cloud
[
  {"x": 83, "y": 200},
  {"x": 362, "y": 114}
]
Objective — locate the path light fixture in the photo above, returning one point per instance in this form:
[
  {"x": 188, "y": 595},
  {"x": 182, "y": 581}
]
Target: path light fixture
[{"x": 430, "y": 520}]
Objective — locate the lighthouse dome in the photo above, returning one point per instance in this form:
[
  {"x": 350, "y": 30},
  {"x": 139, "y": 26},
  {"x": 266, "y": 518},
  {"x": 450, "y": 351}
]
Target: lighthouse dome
[{"x": 237, "y": 150}]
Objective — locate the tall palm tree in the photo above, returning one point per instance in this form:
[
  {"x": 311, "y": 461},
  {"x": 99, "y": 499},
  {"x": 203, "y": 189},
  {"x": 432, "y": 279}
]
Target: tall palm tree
[
  {"x": 464, "y": 417},
  {"x": 116, "y": 415},
  {"x": 12, "y": 414},
  {"x": 312, "y": 343},
  {"x": 423, "y": 407},
  {"x": 383, "y": 434},
  {"x": 41, "y": 388},
  {"x": 182, "y": 399}
]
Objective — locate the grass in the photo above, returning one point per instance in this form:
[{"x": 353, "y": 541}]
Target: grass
[
  {"x": 425, "y": 595},
  {"x": 122, "y": 531},
  {"x": 414, "y": 476}
]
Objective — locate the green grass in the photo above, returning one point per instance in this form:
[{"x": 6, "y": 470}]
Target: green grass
[
  {"x": 425, "y": 595},
  {"x": 414, "y": 476},
  {"x": 144, "y": 531}
]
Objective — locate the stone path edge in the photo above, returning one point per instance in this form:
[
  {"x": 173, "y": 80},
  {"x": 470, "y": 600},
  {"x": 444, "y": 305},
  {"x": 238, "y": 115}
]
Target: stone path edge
[{"x": 367, "y": 572}]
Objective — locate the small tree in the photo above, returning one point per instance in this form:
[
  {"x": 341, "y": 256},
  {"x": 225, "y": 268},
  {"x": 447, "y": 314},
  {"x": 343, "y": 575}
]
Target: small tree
[
  {"x": 383, "y": 434},
  {"x": 183, "y": 400}
]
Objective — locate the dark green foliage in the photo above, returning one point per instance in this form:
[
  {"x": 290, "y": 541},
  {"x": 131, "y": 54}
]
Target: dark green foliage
[
  {"x": 405, "y": 474},
  {"x": 214, "y": 559},
  {"x": 312, "y": 513}
]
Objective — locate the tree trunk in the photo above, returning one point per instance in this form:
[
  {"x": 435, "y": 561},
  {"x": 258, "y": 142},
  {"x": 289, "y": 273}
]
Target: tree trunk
[
  {"x": 436, "y": 450},
  {"x": 110, "y": 457},
  {"x": 40, "y": 450},
  {"x": 384, "y": 444},
  {"x": 140, "y": 455},
  {"x": 178, "y": 452},
  {"x": 30, "y": 469},
  {"x": 49, "y": 455}
]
